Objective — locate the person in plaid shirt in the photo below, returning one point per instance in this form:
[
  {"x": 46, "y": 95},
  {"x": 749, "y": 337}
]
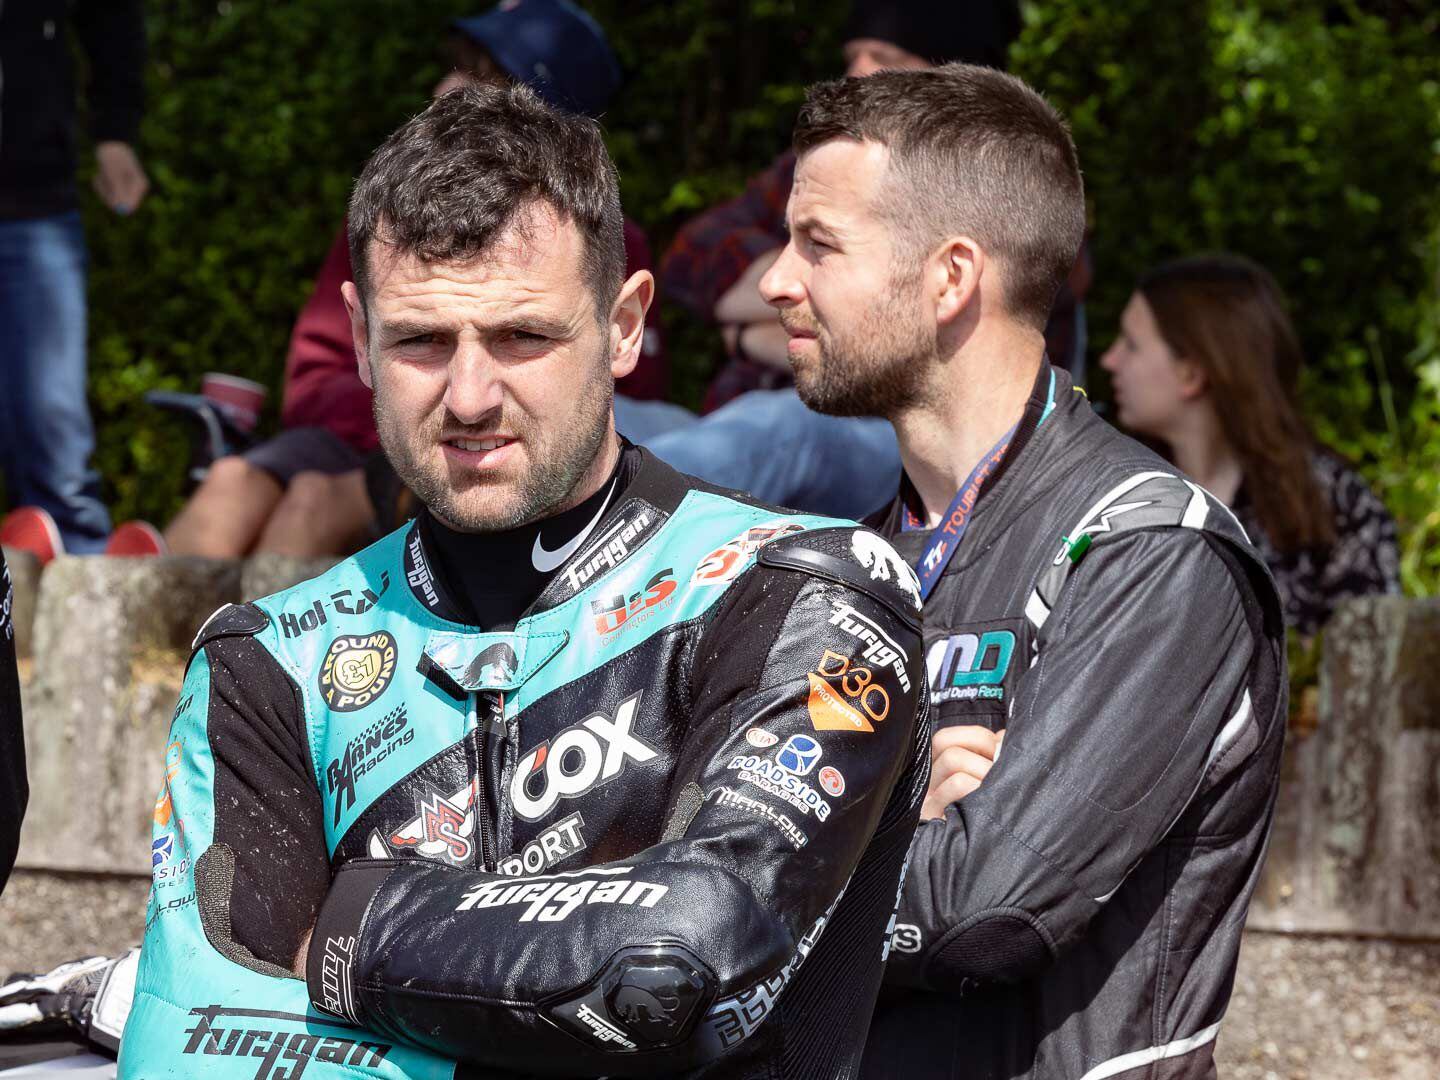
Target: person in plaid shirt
[{"x": 715, "y": 263}]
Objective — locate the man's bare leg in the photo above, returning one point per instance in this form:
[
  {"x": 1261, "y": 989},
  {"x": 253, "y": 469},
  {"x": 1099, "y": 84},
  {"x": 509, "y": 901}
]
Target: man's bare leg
[
  {"x": 227, "y": 513},
  {"x": 320, "y": 515}
]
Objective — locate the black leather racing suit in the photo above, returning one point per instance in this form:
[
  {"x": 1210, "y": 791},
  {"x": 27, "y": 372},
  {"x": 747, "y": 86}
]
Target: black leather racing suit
[
  {"x": 655, "y": 827},
  {"x": 1079, "y": 915}
]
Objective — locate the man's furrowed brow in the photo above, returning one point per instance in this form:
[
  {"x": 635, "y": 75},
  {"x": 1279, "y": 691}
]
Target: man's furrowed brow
[{"x": 399, "y": 329}]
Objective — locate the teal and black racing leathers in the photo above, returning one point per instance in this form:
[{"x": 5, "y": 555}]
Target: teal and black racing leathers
[{"x": 657, "y": 827}]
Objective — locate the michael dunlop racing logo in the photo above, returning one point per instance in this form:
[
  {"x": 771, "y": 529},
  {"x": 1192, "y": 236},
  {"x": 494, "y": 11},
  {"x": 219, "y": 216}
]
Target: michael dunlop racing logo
[
  {"x": 581, "y": 758},
  {"x": 357, "y": 670}
]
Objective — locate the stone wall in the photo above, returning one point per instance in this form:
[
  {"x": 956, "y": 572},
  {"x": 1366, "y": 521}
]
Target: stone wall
[
  {"x": 1356, "y": 847},
  {"x": 103, "y": 646}
]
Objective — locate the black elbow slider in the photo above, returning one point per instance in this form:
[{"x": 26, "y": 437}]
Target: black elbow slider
[
  {"x": 645, "y": 998},
  {"x": 993, "y": 946}
]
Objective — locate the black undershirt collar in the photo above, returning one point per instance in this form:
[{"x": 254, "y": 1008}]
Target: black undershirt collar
[{"x": 492, "y": 578}]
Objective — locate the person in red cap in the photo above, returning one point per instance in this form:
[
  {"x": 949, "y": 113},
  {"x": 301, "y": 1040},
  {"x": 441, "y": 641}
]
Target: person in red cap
[{"x": 319, "y": 488}]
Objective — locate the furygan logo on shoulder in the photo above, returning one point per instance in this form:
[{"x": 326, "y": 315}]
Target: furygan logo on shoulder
[{"x": 357, "y": 670}]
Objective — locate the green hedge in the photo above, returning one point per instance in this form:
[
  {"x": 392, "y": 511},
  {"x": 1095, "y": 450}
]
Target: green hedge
[{"x": 1301, "y": 132}]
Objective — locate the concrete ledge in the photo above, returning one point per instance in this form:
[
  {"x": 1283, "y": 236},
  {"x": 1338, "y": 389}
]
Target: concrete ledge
[
  {"x": 1356, "y": 848},
  {"x": 111, "y": 639}
]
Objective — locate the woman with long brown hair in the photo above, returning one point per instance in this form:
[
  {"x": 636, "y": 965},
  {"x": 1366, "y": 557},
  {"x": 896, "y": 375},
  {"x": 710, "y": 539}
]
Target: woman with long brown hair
[{"x": 1206, "y": 364}]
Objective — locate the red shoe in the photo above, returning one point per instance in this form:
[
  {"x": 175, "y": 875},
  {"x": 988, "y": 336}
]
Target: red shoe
[
  {"x": 136, "y": 538},
  {"x": 31, "y": 529}
]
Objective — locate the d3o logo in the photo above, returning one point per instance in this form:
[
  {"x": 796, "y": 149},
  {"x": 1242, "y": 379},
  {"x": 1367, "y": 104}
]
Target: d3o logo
[
  {"x": 357, "y": 670},
  {"x": 845, "y": 697},
  {"x": 579, "y": 759},
  {"x": 967, "y": 666}
]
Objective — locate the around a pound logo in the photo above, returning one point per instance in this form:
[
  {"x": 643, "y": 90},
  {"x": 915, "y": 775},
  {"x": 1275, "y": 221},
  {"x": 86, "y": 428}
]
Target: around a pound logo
[{"x": 357, "y": 670}]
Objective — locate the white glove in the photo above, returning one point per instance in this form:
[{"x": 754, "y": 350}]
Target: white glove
[{"x": 88, "y": 1000}]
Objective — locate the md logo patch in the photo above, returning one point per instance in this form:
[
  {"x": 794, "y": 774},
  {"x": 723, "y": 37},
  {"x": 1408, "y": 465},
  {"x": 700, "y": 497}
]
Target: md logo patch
[
  {"x": 969, "y": 666},
  {"x": 798, "y": 755},
  {"x": 161, "y": 850},
  {"x": 357, "y": 670}
]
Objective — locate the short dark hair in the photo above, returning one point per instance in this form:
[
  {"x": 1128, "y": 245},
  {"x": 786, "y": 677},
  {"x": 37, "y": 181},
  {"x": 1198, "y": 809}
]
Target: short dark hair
[
  {"x": 449, "y": 181},
  {"x": 973, "y": 151}
]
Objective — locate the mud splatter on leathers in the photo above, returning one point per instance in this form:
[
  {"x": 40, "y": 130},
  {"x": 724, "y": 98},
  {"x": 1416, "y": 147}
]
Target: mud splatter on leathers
[{"x": 692, "y": 751}]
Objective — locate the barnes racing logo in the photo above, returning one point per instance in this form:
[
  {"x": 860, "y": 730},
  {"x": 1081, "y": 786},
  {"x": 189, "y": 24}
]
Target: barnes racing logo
[
  {"x": 363, "y": 753},
  {"x": 555, "y": 899},
  {"x": 725, "y": 562},
  {"x": 611, "y": 613},
  {"x": 586, "y": 756},
  {"x": 968, "y": 666},
  {"x": 357, "y": 670},
  {"x": 845, "y": 697},
  {"x": 283, "y": 1055}
]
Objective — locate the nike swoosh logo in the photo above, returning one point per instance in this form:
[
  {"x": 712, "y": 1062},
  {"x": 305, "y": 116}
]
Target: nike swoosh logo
[{"x": 545, "y": 561}]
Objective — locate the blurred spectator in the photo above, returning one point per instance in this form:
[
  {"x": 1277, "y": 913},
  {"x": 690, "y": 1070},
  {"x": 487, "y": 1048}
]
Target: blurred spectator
[
  {"x": 46, "y": 436},
  {"x": 716, "y": 262},
  {"x": 1207, "y": 364},
  {"x": 320, "y": 487}
]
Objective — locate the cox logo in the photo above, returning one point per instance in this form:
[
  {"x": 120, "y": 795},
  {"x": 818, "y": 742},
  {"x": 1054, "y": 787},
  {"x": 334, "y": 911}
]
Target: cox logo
[
  {"x": 579, "y": 759},
  {"x": 798, "y": 755}
]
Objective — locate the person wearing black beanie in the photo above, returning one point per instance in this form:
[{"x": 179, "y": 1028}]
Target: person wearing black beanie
[{"x": 971, "y": 31}]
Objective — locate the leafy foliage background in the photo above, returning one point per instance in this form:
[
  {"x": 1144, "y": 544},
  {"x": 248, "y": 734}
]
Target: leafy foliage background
[{"x": 1304, "y": 133}]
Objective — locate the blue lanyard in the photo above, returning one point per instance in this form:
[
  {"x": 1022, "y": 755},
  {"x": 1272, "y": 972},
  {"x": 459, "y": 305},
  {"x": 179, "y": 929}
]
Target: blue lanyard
[{"x": 945, "y": 541}]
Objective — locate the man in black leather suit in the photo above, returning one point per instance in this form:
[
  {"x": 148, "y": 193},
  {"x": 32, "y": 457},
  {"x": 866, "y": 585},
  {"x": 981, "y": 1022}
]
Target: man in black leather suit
[{"x": 1074, "y": 903}]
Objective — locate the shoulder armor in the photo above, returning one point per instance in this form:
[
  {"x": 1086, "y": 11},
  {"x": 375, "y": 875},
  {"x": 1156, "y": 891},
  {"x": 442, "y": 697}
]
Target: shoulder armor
[
  {"x": 855, "y": 557},
  {"x": 1144, "y": 500},
  {"x": 232, "y": 620}
]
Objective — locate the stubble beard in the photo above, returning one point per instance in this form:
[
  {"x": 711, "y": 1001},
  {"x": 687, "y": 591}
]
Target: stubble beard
[
  {"x": 877, "y": 369},
  {"x": 557, "y": 461}
]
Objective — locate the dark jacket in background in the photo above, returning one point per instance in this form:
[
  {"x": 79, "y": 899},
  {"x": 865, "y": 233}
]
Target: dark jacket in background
[
  {"x": 13, "y": 790},
  {"x": 38, "y": 101}
]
